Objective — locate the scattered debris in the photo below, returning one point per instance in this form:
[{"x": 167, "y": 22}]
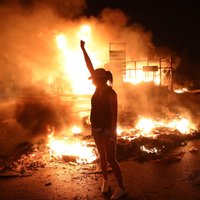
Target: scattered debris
[
  {"x": 148, "y": 148},
  {"x": 171, "y": 158},
  {"x": 9, "y": 174},
  {"x": 48, "y": 184},
  {"x": 193, "y": 150}
]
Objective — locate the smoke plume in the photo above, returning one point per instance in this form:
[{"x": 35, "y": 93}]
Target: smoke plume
[{"x": 29, "y": 56}]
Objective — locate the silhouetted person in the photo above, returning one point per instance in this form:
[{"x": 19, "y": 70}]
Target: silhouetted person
[{"x": 103, "y": 119}]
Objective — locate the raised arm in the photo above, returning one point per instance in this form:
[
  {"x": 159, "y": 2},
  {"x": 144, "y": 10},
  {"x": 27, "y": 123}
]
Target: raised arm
[{"x": 87, "y": 58}]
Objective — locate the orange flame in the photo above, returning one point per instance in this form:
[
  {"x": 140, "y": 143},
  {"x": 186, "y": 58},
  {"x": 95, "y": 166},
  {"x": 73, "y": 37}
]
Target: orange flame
[
  {"x": 181, "y": 90},
  {"x": 86, "y": 154},
  {"x": 145, "y": 126},
  {"x": 73, "y": 68},
  {"x": 71, "y": 147}
]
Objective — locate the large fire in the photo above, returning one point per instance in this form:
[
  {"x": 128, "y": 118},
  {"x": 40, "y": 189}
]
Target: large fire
[
  {"x": 135, "y": 73},
  {"x": 75, "y": 71},
  {"x": 71, "y": 146},
  {"x": 77, "y": 75},
  {"x": 85, "y": 153}
]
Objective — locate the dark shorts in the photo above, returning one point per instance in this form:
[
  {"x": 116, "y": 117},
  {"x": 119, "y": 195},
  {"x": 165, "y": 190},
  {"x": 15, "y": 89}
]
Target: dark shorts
[{"x": 104, "y": 132}]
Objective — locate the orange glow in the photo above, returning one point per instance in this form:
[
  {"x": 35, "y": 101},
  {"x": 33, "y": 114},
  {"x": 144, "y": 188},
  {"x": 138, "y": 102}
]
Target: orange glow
[
  {"x": 145, "y": 127},
  {"x": 148, "y": 150},
  {"x": 61, "y": 42},
  {"x": 76, "y": 74},
  {"x": 76, "y": 130},
  {"x": 74, "y": 69},
  {"x": 135, "y": 74},
  {"x": 85, "y": 33},
  {"x": 183, "y": 125},
  {"x": 182, "y": 90},
  {"x": 71, "y": 147}
]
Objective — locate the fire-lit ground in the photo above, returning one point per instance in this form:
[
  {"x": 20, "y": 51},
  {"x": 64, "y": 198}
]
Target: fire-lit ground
[
  {"x": 42, "y": 159},
  {"x": 149, "y": 180}
]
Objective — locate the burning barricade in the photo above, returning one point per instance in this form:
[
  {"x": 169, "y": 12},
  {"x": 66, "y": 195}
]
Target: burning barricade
[
  {"x": 145, "y": 139},
  {"x": 144, "y": 142}
]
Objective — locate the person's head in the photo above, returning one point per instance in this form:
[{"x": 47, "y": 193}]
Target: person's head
[{"x": 100, "y": 77}]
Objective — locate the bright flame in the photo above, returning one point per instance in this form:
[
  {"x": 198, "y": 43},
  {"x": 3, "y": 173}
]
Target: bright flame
[
  {"x": 148, "y": 150},
  {"x": 182, "y": 90},
  {"x": 76, "y": 130},
  {"x": 61, "y": 42},
  {"x": 145, "y": 125},
  {"x": 76, "y": 148},
  {"x": 74, "y": 69},
  {"x": 135, "y": 74},
  {"x": 119, "y": 131},
  {"x": 183, "y": 125},
  {"x": 148, "y": 127},
  {"x": 85, "y": 33}
]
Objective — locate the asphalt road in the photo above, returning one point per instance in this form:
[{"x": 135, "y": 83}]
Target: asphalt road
[{"x": 151, "y": 180}]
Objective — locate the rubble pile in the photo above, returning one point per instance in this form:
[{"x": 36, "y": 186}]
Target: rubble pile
[
  {"x": 149, "y": 148},
  {"x": 33, "y": 158}
]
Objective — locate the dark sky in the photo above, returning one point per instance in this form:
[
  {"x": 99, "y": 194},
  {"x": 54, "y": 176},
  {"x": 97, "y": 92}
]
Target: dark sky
[{"x": 174, "y": 24}]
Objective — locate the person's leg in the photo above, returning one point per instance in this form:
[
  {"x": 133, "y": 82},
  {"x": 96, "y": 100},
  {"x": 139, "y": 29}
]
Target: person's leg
[
  {"x": 99, "y": 141},
  {"x": 103, "y": 161},
  {"x": 111, "y": 157}
]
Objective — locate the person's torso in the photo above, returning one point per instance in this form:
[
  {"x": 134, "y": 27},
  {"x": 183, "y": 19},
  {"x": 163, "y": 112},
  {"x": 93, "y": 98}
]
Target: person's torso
[{"x": 101, "y": 112}]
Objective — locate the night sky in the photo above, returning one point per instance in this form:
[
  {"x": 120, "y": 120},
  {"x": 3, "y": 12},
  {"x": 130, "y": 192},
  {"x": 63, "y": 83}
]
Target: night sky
[{"x": 174, "y": 24}]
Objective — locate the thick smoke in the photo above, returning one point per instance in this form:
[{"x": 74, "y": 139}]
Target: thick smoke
[
  {"x": 28, "y": 55},
  {"x": 62, "y": 8},
  {"x": 26, "y": 51},
  {"x": 31, "y": 121}
]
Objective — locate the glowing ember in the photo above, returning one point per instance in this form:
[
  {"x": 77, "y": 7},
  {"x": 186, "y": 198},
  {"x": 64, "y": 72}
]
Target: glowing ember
[
  {"x": 182, "y": 90},
  {"x": 148, "y": 150}
]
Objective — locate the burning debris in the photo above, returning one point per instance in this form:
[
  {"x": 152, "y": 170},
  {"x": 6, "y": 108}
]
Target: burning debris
[
  {"x": 66, "y": 148},
  {"x": 141, "y": 144}
]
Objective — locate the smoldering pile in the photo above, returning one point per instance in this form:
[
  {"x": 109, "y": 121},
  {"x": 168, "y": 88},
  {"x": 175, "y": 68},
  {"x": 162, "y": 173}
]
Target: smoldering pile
[{"x": 143, "y": 148}]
